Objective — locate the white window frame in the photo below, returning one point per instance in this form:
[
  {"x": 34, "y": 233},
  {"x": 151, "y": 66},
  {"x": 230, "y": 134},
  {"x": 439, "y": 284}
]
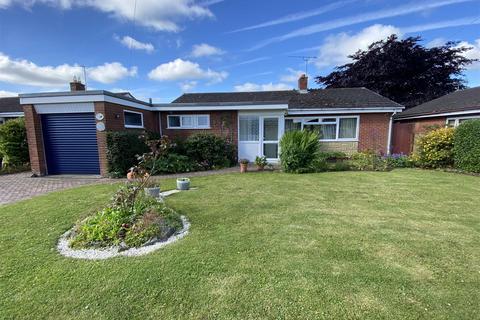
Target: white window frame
[
  {"x": 195, "y": 121},
  {"x": 132, "y": 126},
  {"x": 457, "y": 120},
  {"x": 2, "y": 120},
  {"x": 304, "y": 121}
]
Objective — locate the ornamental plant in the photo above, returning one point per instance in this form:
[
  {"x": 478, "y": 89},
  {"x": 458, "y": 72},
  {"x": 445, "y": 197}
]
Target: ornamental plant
[
  {"x": 435, "y": 149},
  {"x": 299, "y": 151},
  {"x": 467, "y": 146}
]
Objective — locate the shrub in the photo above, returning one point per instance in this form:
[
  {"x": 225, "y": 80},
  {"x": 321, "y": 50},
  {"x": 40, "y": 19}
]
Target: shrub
[
  {"x": 299, "y": 151},
  {"x": 398, "y": 161},
  {"x": 467, "y": 146},
  {"x": 122, "y": 150},
  {"x": 210, "y": 151},
  {"x": 174, "y": 163},
  {"x": 435, "y": 149},
  {"x": 13, "y": 143},
  {"x": 368, "y": 161}
]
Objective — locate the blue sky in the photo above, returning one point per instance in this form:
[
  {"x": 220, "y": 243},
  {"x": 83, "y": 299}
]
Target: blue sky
[{"x": 161, "y": 48}]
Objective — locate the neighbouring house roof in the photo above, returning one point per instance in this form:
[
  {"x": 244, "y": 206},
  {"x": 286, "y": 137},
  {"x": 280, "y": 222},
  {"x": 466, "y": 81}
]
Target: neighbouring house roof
[
  {"x": 313, "y": 99},
  {"x": 458, "y": 101},
  {"x": 10, "y": 104}
]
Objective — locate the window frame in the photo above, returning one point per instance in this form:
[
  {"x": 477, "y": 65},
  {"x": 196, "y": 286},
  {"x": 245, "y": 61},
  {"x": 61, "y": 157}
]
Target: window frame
[
  {"x": 319, "y": 121},
  {"x": 130, "y": 126},
  {"x": 194, "y": 126},
  {"x": 457, "y": 120}
]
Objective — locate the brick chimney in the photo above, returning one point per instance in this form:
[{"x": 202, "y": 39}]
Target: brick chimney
[
  {"x": 303, "y": 84},
  {"x": 76, "y": 85}
]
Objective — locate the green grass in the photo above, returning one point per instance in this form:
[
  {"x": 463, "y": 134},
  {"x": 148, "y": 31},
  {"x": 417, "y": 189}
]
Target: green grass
[{"x": 387, "y": 245}]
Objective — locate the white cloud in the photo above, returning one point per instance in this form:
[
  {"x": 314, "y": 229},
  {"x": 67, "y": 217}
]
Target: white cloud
[
  {"x": 134, "y": 44},
  {"x": 473, "y": 53},
  {"x": 249, "y": 86},
  {"x": 188, "y": 85},
  {"x": 204, "y": 50},
  {"x": 364, "y": 17},
  {"x": 161, "y": 15},
  {"x": 292, "y": 75},
  {"x": 110, "y": 72},
  {"x": 4, "y": 93},
  {"x": 180, "y": 69},
  {"x": 442, "y": 25},
  {"x": 336, "y": 48},
  {"x": 296, "y": 16},
  {"x": 24, "y": 72}
]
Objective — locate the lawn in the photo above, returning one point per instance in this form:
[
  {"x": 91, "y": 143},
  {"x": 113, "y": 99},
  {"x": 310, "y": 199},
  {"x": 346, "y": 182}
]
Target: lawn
[{"x": 387, "y": 245}]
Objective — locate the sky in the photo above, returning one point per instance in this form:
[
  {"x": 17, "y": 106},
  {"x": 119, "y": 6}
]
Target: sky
[{"x": 160, "y": 49}]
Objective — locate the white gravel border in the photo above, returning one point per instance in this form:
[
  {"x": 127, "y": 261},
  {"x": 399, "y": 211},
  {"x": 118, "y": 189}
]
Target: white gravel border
[{"x": 101, "y": 254}]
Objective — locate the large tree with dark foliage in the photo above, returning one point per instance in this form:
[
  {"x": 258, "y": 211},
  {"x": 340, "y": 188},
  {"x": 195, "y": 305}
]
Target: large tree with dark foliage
[{"x": 403, "y": 70}]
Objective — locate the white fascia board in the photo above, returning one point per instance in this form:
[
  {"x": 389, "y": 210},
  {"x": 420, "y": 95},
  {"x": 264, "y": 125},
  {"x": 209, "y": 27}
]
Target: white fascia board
[
  {"x": 458, "y": 113},
  {"x": 82, "y": 99},
  {"x": 222, "y": 108},
  {"x": 50, "y": 108},
  {"x": 11, "y": 114},
  {"x": 342, "y": 111}
]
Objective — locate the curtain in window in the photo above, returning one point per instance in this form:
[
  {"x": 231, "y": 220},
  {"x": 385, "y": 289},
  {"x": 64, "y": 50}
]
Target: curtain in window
[
  {"x": 348, "y": 128},
  {"x": 292, "y": 126},
  {"x": 328, "y": 131},
  {"x": 249, "y": 128}
]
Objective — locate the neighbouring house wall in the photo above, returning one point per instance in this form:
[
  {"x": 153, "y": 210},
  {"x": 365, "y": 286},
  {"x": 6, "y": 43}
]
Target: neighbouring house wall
[
  {"x": 407, "y": 132},
  {"x": 222, "y": 123},
  {"x": 374, "y": 132},
  {"x": 342, "y": 146},
  {"x": 33, "y": 125}
]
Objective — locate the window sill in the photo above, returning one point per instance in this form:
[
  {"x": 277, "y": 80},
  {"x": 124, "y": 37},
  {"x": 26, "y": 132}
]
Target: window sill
[
  {"x": 134, "y": 127},
  {"x": 180, "y": 128},
  {"x": 339, "y": 140}
]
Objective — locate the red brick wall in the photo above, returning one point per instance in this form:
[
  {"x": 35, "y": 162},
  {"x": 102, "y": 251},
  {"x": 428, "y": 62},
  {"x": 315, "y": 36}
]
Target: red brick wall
[
  {"x": 373, "y": 134},
  {"x": 222, "y": 123},
  {"x": 115, "y": 120},
  {"x": 33, "y": 126}
]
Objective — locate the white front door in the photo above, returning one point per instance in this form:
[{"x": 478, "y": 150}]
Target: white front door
[{"x": 259, "y": 135}]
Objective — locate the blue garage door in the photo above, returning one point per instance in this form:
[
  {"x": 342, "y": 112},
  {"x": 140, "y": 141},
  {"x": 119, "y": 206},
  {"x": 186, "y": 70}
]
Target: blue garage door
[{"x": 70, "y": 143}]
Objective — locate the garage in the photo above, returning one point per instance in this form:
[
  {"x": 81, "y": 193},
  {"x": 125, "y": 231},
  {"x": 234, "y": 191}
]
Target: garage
[{"x": 70, "y": 143}]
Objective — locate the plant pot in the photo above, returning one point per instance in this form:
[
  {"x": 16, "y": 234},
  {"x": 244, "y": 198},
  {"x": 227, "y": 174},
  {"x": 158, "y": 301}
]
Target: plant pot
[
  {"x": 183, "y": 184},
  {"x": 260, "y": 168},
  {"x": 243, "y": 167},
  {"x": 152, "y": 192}
]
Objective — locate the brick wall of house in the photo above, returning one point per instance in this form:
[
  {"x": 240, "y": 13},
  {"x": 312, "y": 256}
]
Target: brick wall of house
[
  {"x": 33, "y": 125},
  {"x": 373, "y": 134},
  {"x": 348, "y": 147},
  {"x": 222, "y": 123}
]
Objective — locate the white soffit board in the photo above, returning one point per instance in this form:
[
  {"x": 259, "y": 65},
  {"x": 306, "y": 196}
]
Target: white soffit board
[{"x": 81, "y": 107}]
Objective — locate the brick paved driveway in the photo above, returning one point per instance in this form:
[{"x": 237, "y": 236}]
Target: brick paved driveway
[{"x": 19, "y": 186}]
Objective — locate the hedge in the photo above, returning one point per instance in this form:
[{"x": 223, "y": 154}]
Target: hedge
[
  {"x": 467, "y": 146},
  {"x": 13, "y": 143},
  {"x": 435, "y": 149}
]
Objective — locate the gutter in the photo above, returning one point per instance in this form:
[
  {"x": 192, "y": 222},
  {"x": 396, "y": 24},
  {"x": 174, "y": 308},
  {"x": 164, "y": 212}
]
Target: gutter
[{"x": 390, "y": 130}]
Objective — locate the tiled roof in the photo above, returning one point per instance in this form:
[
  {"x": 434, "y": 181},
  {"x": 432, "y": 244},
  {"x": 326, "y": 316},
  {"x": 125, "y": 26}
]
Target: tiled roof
[
  {"x": 462, "y": 100},
  {"x": 320, "y": 98},
  {"x": 11, "y": 104}
]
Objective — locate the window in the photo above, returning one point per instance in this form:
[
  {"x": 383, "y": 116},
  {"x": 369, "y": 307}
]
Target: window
[
  {"x": 455, "y": 122},
  {"x": 2, "y": 120},
  {"x": 292, "y": 125},
  {"x": 333, "y": 128},
  {"x": 133, "y": 119},
  {"x": 249, "y": 128},
  {"x": 189, "y": 121}
]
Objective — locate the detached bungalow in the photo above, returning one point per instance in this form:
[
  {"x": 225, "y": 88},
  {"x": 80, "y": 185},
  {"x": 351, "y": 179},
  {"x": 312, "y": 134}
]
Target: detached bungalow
[
  {"x": 66, "y": 130},
  {"x": 449, "y": 110},
  {"x": 10, "y": 108}
]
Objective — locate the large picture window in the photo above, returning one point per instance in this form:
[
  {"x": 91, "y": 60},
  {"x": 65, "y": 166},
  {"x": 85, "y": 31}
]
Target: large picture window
[
  {"x": 191, "y": 121},
  {"x": 342, "y": 128},
  {"x": 133, "y": 119}
]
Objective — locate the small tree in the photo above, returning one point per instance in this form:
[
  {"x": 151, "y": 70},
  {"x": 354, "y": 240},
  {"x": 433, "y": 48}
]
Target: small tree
[
  {"x": 13, "y": 143},
  {"x": 467, "y": 146}
]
